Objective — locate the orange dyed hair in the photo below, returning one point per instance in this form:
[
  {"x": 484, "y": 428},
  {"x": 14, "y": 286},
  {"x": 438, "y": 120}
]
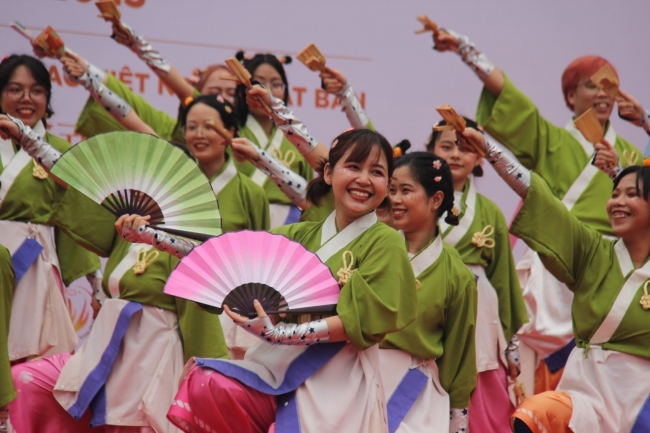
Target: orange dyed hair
[
  {"x": 200, "y": 76},
  {"x": 581, "y": 67}
]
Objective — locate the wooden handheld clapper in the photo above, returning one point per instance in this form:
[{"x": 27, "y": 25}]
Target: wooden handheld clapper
[
  {"x": 109, "y": 10},
  {"x": 242, "y": 76},
  {"x": 311, "y": 57},
  {"x": 224, "y": 133},
  {"x": 429, "y": 26},
  {"x": 51, "y": 42},
  {"x": 589, "y": 125},
  {"x": 606, "y": 80},
  {"x": 454, "y": 121}
]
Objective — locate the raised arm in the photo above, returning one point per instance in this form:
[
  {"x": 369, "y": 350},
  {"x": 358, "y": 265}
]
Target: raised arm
[
  {"x": 334, "y": 82},
  {"x": 125, "y": 35},
  {"x": 566, "y": 246},
  {"x": 449, "y": 40},
  {"x": 291, "y": 184},
  {"x": 296, "y": 132},
  {"x": 92, "y": 79}
]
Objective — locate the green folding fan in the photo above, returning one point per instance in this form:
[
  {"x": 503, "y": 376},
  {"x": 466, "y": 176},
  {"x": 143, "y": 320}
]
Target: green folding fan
[{"x": 133, "y": 173}]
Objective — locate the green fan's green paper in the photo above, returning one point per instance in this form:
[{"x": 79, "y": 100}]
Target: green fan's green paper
[{"x": 135, "y": 173}]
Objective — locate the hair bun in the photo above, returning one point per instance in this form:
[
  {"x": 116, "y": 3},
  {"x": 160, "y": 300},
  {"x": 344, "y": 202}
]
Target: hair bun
[
  {"x": 285, "y": 60},
  {"x": 451, "y": 219},
  {"x": 240, "y": 55}
]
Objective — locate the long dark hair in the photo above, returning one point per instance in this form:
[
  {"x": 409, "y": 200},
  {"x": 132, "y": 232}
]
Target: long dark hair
[
  {"x": 36, "y": 68},
  {"x": 423, "y": 169},
  {"x": 251, "y": 64},
  {"x": 435, "y": 135},
  {"x": 360, "y": 142}
]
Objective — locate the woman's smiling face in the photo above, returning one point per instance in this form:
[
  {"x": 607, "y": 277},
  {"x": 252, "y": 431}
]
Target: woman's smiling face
[{"x": 358, "y": 187}]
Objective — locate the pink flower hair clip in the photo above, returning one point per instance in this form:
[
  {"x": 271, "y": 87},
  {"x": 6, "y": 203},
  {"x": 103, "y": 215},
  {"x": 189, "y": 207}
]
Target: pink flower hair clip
[
  {"x": 437, "y": 178},
  {"x": 334, "y": 143},
  {"x": 437, "y": 164}
]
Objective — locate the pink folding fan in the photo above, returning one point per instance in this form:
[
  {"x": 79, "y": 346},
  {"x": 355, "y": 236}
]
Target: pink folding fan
[{"x": 236, "y": 268}]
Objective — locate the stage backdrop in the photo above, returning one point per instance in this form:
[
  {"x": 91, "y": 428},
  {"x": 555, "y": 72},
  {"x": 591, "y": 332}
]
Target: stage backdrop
[{"x": 397, "y": 75}]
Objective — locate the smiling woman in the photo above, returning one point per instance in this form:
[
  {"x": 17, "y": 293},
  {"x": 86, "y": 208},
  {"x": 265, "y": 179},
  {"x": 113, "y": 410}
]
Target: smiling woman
[
  {"x": 599, "y": 391},
  {"x": 377, "y": 298},
  {"x": 562, "y": 156},
  {"x": 40, "y": 323}
]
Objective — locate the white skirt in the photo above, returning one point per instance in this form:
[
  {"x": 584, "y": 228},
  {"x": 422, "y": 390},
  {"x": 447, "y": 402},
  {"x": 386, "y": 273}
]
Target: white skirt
[
  {"x": 607, "y": 389},
  {"x": 548, "y": 303},
  {"x": 490, "y": 340},
  {"x": 144, "y": 378},
  {"x": 342, "y": 392},
  {"x": 40, "y": 322},
  {"x": 430, "y": 411}
]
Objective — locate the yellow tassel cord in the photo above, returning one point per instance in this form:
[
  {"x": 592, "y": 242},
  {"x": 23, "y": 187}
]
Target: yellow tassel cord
[
  {"x": 630, "y": 157},
  {"x": 346, "y": 271},
  {"x": 645, "y": 299},
  {"x": 39, "y": 172},
  {"x": 288, "y": 158},
  {"x": 482, "y": 239},
  {"x": 144, "y": 260}
]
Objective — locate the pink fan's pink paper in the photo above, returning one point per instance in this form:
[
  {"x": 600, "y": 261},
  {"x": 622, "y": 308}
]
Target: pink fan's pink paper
[{"x": 219, "y": 265}]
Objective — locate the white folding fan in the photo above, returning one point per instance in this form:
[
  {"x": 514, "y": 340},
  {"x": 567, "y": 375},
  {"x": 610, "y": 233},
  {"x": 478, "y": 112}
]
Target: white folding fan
[
  {"x": 236, "y": 268},
  {"x": 133, "y": 173}
]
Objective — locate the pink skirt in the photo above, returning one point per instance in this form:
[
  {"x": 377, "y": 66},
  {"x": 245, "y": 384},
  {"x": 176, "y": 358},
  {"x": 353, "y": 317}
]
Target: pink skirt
[
  {"x": 490, "y": 407},
  {"x": 36, "y": 411},
  {"x": 208, "y": 401}
]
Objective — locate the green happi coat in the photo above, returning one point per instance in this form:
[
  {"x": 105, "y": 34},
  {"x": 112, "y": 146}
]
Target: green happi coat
[
  {"x": 380, "y": 296},
  {"x": 7, "y": 280},
  {"x": 242, "y": 203},
  {"x": 578, "y": 256},
  {"x": 298, "y": 165},
  {"x": 319, "y": 213},
  {"x": 445, "y": 327},
  {"x": 94, "y": 119},
  {"x": 551, "y": 151},
  {"x": 31, "y": 200},
  {"x": 498, "y": 262},
  {"x": 93, "y": 227}
]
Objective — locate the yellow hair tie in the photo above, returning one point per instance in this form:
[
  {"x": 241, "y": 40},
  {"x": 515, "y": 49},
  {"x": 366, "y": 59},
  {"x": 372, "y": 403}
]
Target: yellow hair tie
[
  {"x": 346, "y": 271},
  {"x": 188, "y": 101},
  {"x": 144, "y": 260},
  {"x": 481, "y": 239}
]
